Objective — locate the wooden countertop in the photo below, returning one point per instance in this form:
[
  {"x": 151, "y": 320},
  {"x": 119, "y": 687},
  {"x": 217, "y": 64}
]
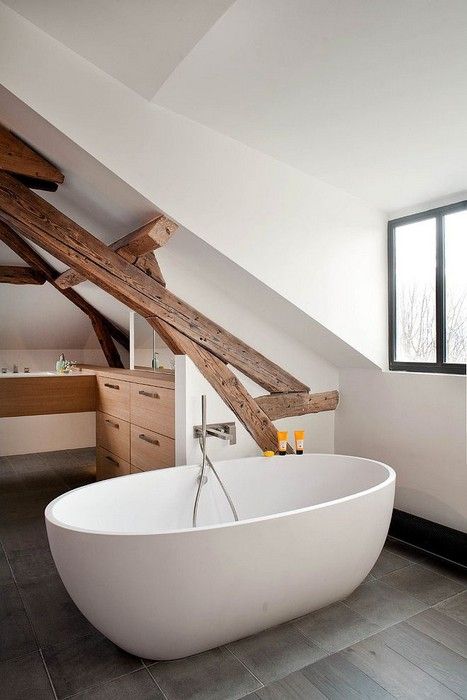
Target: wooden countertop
[{"x": 159, "y": 377}]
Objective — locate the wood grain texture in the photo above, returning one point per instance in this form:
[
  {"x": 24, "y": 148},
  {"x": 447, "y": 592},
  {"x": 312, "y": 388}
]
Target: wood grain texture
[
  {"x": 18, "y": 158},
  {"x": 113, "y": 397},
  {"x": 62, "y": 237},
  {"x": 150, "y": 450},
  {"x": 298, "y": 404},
  {"x": 133, "y": 247},
  {"x": 229, "y": 388},
  {"x": 109, "y": 465},
  {"x": 153, "y": 408},
  {"x": 14, "y": 274},
  {"x": 106, "y": 342},
  {"x": 30, "y": 256},
  {"x": 113, "y": 434},
  {"x": 39, "y": 396}
]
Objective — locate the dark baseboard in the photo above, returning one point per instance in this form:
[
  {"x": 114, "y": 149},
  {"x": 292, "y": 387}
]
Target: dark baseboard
[{"x": 436, "y": 539}]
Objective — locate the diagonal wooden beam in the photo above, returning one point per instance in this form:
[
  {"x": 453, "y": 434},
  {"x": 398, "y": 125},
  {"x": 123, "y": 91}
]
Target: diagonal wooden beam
[
  {"x": 19, "y": 159},
  {"x": 225, "y": 383},
  {"x": 105, "y": 341},
  {"x": 297, "y": 404},
  {"x": 63, "y": 238},
  {"x": 134, "y": 248},
  {"x": 14, "y": 274},
  {"x": 30, "y": 256}
]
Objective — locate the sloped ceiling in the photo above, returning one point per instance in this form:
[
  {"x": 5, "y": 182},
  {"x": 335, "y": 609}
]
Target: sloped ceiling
[
  {"x": 138, "y": 42},
  {"x": 366, "y": 96},
  {"x": 40, "y": 317}
]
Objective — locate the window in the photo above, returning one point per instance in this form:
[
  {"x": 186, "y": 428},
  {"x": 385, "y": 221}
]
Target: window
[{"x": 428, "y": 291}]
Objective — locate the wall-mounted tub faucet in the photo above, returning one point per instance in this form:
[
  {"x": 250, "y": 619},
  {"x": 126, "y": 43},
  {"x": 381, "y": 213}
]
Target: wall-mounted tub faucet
[{"x": 201, "y": 432}]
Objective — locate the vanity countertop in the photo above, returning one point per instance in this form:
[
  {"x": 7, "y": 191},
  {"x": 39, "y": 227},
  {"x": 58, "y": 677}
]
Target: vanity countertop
[{"x": 141, "y": 375}]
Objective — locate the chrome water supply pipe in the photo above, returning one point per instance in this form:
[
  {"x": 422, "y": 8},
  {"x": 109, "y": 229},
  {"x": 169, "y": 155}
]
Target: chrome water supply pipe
[{"x": 202, "y": 476}]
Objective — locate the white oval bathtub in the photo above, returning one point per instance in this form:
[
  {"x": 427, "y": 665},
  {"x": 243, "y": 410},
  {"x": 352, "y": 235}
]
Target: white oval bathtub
[{"x": 311, "y": 528}]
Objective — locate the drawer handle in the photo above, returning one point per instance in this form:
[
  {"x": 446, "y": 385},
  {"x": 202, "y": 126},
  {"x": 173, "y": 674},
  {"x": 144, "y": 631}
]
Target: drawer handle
[
  {"x": 148, "y": 439},
  {"x": 112, "y": 386},
  {"x": 150, "y": 394},
  {"x": 110, "y": 422},
  {"x": 111, "y": 459}
]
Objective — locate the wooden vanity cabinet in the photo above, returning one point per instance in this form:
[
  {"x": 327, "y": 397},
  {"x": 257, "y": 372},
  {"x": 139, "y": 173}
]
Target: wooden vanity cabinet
[{"x": 135, "y": 425}]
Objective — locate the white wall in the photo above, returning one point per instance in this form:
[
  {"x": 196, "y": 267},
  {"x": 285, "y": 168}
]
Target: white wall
[
  {"x": 26, "y": 434},
  {"x": 190, "y": 385},
  {"x": 417, "y": 424},
  {"x": 319, "y": 247}
]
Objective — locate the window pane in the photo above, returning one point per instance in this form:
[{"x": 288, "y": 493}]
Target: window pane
[
  {"x": 416, "y": 291},
  {"x": 455, "y": 227}
]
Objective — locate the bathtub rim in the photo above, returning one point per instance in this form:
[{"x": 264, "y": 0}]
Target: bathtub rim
[{"x": 50, "y": 518}]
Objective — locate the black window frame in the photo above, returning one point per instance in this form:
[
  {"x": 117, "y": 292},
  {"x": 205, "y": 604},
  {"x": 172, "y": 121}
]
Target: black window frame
[{"x": 440, "y": 366}]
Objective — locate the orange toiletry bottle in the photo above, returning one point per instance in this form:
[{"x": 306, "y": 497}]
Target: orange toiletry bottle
[
  {"x": 299, "y": 441},
  {"x": 282, "y": 437}
]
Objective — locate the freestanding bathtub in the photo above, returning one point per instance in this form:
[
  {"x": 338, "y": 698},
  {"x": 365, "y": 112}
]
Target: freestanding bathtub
[{"x": 311, "y": 527}]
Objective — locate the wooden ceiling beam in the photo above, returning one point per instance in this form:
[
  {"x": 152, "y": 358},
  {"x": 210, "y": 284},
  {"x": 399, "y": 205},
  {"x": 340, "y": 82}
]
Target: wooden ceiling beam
[
  {"x": 19, "y": 159},
  {"x": 30, "y": 256},
  {"x": 297, "y": 404},
  {"x": 59, "y": 235},
  {"x": 14, "y": 274},
  {"x": 136, "y": 248},
  {"x": 225, "y": 383}
]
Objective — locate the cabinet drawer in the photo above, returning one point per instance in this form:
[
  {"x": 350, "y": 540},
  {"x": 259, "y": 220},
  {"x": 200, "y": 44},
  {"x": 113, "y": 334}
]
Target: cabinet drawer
[
  {"x": 150, "y": 450},
  {"x": 109, "y": 465},
  {"x": 113, "y": 397},
  {"x": 153, "y": 408},
  {"x": 113, "y": 434}
]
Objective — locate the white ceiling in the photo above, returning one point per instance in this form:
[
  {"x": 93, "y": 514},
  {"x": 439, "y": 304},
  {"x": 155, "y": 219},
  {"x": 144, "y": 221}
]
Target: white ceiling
[
  {"x": 368, "y": 95},
  {"x": 138, "y": 42}
]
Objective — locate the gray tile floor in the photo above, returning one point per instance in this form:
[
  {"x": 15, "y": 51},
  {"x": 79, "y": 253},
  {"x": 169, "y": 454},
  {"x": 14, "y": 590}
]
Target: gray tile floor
[{"x": 402, "y": 633}]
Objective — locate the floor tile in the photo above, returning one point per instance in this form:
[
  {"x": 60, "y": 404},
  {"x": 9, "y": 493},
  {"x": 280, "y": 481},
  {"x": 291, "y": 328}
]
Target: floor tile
[
  {"x": 5, "y": 572},
  {"x": 383, "y": 605},
  {"x": 293, "y": 687},
  {"x": 448, "y": 569},
  {"x": 444, "y": 629},
  {"x": 213, "y": 675},
  {"x": 455, "y": 607},
  {"x": 426, "y": 653},
  {"x": 85, "y": 662},
  {"x": 335, "y": 627},
  {"x": 388, "y": 561},
  {"x": 25, "y": 535},
  {"x": 16, "y": 634},
  {"x": 336, "y": 678},
  {"x": 413, "y": 554},
  {"x": 138, "y": 685},
  {"x": 27, "y": 463},
  {"x": 395, "y": 673},
  {"x": 423, "y": 583},
  {"x": 25, "y": 678},
  {"x": 63, "y": 621},
  {"x": 276, "y": 652},
  {"x": 32, "y": 565}
]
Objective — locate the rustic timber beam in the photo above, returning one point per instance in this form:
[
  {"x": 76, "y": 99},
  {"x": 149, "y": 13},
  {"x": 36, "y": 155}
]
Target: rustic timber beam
[
  {"x": 14, "y": 274},
  {"x": 225, "y": 383},
  {"x": 136, "y": 247},
  {"x": 19, "y": 159},
  {"x": 297, "y": 404},
  {"x": 106, "y": 342},
  {"x": 59, "y": 235},
  {"x": 30, "y": 256}
]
